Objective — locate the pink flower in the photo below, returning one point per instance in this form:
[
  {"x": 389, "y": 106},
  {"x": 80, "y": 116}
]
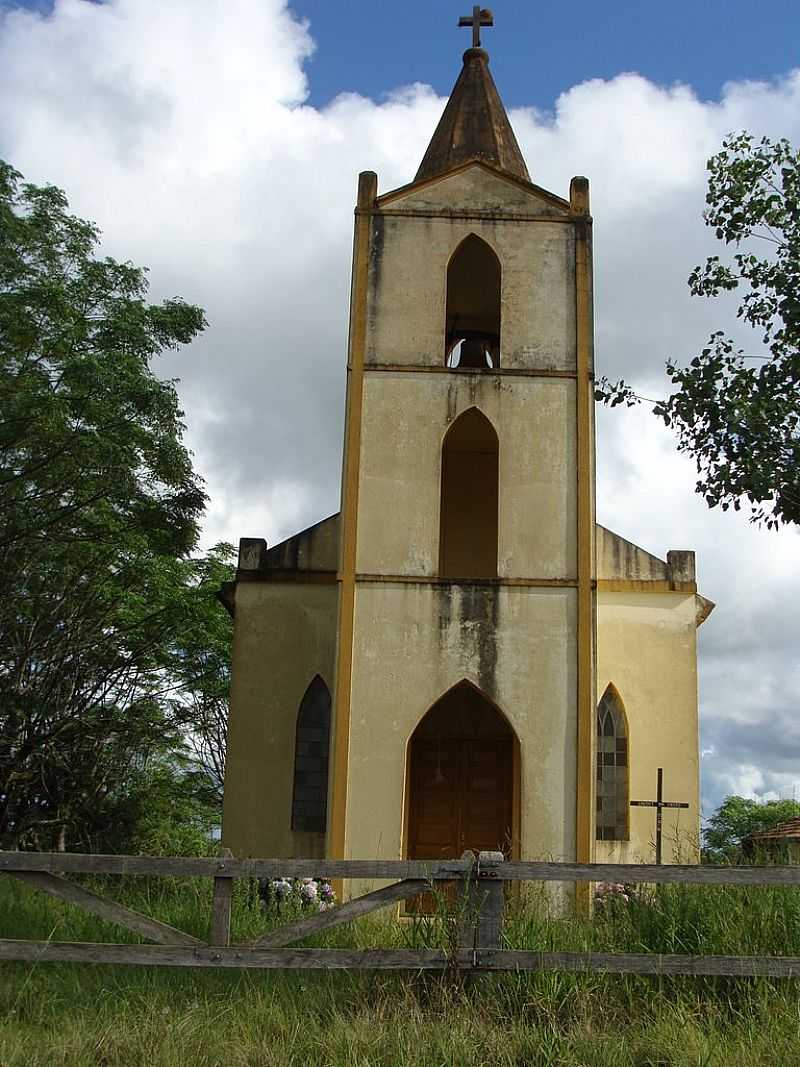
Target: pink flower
[{"x": 308, "y": 892}]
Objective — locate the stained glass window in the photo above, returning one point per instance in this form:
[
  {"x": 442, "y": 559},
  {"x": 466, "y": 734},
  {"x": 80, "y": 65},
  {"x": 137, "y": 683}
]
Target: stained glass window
[{"x": 612, "y": 768}]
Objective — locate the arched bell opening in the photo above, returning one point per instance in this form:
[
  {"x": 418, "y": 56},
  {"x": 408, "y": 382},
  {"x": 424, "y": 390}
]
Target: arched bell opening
[
  {"x": 469, "y": 498},
  {"x": 463, "y": 778},
  {"x": 472, "y": 325}
]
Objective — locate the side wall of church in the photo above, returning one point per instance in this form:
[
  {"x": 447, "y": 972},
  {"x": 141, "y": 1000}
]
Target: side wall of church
[
  {"x": 284, "y": 635},
  {"x": 647, "y": 648}
]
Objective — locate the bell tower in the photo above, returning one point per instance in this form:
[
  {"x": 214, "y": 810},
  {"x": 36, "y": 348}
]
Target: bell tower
[{"x": 464, "y": 700}]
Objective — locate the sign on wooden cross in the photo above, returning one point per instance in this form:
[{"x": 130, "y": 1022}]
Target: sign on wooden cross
[
  {"x": 479, "y": 17},
  {"x": 659, "y": 804}
]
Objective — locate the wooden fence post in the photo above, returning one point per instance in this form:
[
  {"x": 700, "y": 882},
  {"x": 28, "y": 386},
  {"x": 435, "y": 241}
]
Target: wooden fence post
[
  {"x": 220, "y": 933},
  {"x": 482, "y": 924},
  {"x": 491, "y": 904},
  {"x": 469, "y": 905}
]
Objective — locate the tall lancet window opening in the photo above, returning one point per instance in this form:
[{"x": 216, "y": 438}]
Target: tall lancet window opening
[
  {"x": 468, "y": 513},
  {"x": 312, "y": 741},
  {"x": 472, "y": 329},
  {"x": 612, "y": 769}
]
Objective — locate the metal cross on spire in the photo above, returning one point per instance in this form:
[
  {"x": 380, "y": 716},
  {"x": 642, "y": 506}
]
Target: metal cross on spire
[{"x": 481, "y": 16}]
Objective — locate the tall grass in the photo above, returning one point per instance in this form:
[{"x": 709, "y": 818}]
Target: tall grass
[{"x": 76, "y": 1015}]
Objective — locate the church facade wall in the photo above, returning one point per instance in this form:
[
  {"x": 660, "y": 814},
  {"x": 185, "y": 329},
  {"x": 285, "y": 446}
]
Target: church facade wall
[
  {"x": 415, "y": 641},
  {"x": 285, "y": 634},
  {"x": 647, "y": 648}
]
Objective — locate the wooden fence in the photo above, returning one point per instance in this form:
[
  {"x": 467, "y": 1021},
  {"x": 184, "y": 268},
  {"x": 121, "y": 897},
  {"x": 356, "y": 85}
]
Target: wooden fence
[{"x": 479, "y": 934}]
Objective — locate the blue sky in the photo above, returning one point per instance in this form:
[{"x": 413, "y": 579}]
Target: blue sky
[{"x": 541, "y": 49}]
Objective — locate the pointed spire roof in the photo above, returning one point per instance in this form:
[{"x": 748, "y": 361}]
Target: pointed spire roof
[{"x": 474, "y": 125}]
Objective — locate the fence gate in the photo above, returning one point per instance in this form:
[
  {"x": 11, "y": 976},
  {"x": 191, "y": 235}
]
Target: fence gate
[{"x": 479, "y": 944}]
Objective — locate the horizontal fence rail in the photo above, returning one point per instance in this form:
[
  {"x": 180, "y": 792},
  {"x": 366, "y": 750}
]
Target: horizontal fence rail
[
  {"x": 515, "y": 960},
  {"x": 443, "y": 870},
  {"x": 479, "y": 935}
]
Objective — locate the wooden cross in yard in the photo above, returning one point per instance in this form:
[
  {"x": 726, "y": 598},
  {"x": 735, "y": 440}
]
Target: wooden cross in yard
[
  {"x": 479, "y": 17},
  {"x": 659, "y": 804}
]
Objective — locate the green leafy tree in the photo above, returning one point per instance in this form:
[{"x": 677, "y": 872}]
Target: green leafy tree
[
  {"x": 736, "y": 413},
  {"x": 736, "y": 819},
  {"x": 99, "y": 511},
  {"x": 200, "y": 664},
  {"x": 161, "y": 808}
]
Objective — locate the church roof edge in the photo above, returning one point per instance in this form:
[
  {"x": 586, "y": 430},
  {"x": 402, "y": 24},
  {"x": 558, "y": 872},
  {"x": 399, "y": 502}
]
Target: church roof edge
[
  {"x": 622, "y": 563},
  {"x": 314, "y": 549},
  {"x": 421, "y": 183},
  {"x": 631, "y": 547}
]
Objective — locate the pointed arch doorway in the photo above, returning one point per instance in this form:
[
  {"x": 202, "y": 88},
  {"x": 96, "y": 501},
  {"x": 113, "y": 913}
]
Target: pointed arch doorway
[{"x": 463, "y": 775}]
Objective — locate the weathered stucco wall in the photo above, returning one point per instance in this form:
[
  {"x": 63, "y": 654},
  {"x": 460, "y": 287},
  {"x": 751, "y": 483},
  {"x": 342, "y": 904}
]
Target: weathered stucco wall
[
  {"x": 313, "y": 549},
  {"x": 618, "y": 559},
  {"x": 414, "y": 640},
  {"x": 406, "y": 416},
  {"x": 647, "y": 647},
  {"x": 413, "y": 643},
  {"x": 285, "y": 633}
]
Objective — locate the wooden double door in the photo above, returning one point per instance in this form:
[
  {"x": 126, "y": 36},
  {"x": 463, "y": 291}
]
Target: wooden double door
[{"x": 461, "y": 796}]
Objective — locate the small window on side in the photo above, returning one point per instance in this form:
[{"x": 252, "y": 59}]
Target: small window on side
[
  {"x": 612, "y": 769},
  {"x": 312, "y": 741}
]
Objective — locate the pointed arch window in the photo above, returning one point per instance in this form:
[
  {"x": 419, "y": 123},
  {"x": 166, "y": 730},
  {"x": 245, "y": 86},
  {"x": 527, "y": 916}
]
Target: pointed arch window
[
  {"x": 472, "y": 329},
  {"x": 312, "y": 741},
  {"x": 612, "y": 769},
  {"x": 468, "y": 511}
]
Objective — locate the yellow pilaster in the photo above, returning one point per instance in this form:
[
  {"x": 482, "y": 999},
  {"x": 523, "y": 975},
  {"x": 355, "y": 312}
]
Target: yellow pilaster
[
  {"x": 367, "y": 192},
  {"x": 579, "y": 201}
]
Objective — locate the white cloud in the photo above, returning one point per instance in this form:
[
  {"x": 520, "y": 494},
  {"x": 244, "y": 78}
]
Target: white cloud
[{"x": 181, "y": 128}]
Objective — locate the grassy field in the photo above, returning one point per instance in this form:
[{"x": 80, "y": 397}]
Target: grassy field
[{"x": 64, "y": 1014}]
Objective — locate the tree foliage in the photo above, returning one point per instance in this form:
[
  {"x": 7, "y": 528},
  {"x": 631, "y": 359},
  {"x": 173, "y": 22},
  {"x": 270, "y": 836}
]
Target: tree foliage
[
  {"x": 738, "y": 414},
  {"x": 99, "y": 511},
  {"x": 161, "y": 808},
  {"x": 200, "y": 663},
  {"x": 737, "y": 818}
]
